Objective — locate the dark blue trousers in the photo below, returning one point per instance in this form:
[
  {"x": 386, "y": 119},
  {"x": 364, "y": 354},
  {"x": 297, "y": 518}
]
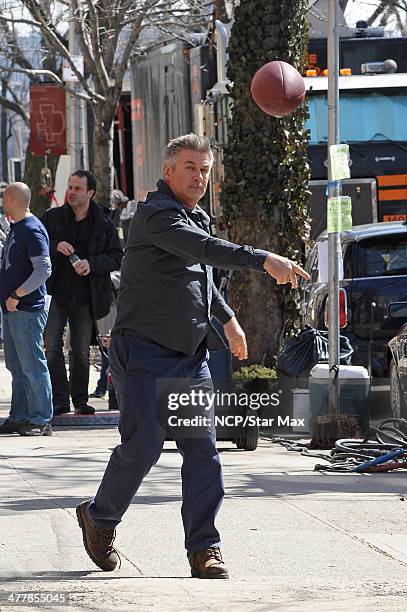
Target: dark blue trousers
[{"x": 143, "y": 374}]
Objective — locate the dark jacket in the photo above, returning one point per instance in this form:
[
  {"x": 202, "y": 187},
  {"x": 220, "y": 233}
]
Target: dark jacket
[
  {"x": 104, "y": 252},
  {"x": 167, "y": 292}
]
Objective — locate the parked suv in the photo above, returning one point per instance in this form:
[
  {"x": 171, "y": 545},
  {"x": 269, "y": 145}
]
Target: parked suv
[{"x": 374, "y": 276}]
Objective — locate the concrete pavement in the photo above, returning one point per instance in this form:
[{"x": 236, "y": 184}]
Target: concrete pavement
[
  {"x": 294, "y": 539},
  {"x": 5, "y": 386}
]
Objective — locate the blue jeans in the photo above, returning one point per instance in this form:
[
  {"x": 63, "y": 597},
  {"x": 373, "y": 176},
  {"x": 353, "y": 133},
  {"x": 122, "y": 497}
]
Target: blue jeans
[
  {"x": 137, "y": 366},
  {"x": 31, "y": 398}
]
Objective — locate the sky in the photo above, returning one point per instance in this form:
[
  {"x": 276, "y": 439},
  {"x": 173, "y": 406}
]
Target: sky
[{"x": 361, "y": 9}]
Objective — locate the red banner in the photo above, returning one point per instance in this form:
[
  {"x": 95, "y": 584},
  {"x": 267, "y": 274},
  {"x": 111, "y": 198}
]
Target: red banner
[{"x": 47, "y": 120}]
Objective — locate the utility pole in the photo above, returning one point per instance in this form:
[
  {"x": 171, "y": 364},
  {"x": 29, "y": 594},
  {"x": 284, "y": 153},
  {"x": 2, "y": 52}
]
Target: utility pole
[
  {"x": 77, "y": 133},
  {"x": 334, "y": 191}
]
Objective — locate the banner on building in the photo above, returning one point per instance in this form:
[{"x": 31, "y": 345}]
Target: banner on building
[{"x": 47, "y": 120}]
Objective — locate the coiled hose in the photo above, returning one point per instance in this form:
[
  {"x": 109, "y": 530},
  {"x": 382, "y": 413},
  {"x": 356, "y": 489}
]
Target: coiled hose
[{"x": 388, "y": 451}]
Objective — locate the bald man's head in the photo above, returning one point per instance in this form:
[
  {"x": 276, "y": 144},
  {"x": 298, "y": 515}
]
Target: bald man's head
[
  {"x": 16, "y": 199},
  {"x": 19, "y": 193}
]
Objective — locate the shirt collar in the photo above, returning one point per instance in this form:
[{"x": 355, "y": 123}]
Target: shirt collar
[{"x": 163, "y": 187}]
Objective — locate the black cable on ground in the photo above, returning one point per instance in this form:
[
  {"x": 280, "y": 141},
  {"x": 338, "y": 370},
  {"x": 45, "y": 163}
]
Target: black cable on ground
[{"x": 388, "y": 451}]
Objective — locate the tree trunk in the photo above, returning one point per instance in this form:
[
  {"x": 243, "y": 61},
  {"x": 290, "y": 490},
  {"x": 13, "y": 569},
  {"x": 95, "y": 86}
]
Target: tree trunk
[
  {"x": 103, "y": 167},
  {"x": 254, "y": 296},
  {"x": 4, "y": 139},
  {"x": 265, "y": 193}
]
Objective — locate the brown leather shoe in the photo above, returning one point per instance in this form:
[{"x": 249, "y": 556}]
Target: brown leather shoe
[
  {"x": 98, "y": 542},
  {"x": 208, "y": 563}
]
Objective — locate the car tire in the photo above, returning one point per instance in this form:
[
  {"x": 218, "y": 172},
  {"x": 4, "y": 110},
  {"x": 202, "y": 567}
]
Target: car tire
[{"x": 397, "y": 404}]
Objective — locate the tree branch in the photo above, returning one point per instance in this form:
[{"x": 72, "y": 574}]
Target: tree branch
[
  {"x": 13, "y": 95},
  {"x": 400, "y": 24},
  {"x": 92, "y": 60},
  {"x": 14, "y": 107},
  {"x": 56, "y": 78},
  {"x": 54, "y": 41},
  {"x": 11, "y": 39},
  {"x": 18, "y": 20},
  {"x": 119, "y": 69},
  {"x": 96, "y": 46},
  {"x": 379, "y": 10},
  {"x": 113, "y": 27}
]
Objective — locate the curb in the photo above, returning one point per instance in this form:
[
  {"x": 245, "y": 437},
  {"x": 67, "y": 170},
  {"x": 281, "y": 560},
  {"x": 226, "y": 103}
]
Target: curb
[{"x": 102, "y": 417}]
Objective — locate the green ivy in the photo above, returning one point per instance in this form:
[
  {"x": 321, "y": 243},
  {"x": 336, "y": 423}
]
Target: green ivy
[{"x": 265, "y": 190}]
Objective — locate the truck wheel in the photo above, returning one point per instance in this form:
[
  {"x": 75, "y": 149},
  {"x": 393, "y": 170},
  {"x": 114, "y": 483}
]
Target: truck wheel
[
  {"x": 398, "y": 408},
  {"x": 250, "y": 435},
  {"x": 252, "y": 438}
]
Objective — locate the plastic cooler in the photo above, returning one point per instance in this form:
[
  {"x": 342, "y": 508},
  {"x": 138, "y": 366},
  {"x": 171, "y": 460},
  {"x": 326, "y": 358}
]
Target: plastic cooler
[{"x": 354, "y": 392}]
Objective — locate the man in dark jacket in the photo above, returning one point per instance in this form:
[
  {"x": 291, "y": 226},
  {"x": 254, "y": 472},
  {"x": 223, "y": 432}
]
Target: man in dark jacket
[
  {"x": 85, "y": 248},
  {"x": 159, "y": 343}
]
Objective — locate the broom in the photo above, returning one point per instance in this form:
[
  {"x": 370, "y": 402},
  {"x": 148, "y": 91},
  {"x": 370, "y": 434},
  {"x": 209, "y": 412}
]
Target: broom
[{"x": 328, "y": 428}]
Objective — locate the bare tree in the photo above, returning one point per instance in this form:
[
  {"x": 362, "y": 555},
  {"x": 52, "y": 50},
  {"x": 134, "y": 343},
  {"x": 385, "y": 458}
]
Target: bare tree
[
  {"x": 22, "y": 53},
  {"x": 224, "y": 9},
  {"x": 390, "y": 11},
  {"x": 109, "y": 32},
  {"x": 343, "y": 4},
  {"x": 4, "y": 131},
  {"x": 9, "y": 99},
  {"x": 12, "y": 99},
  {"x": 377, "y": 12}
]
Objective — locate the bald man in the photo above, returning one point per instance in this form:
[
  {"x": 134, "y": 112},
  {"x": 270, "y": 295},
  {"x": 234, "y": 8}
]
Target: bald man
[{"x": 25, "y": 266}]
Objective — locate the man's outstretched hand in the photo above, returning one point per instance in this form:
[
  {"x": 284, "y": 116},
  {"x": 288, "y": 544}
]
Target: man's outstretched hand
[
  {"x": 284, "y": 270},
  {"x": 236, "y": 338}
]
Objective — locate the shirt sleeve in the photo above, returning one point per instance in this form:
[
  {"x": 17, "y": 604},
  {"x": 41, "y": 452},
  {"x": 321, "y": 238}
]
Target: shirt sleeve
[
  {"x": 38, "y": 253},
  {"x": 41, "y": 272},
  {"x": 219, "y": 308},
  {"x": 168, "y": 230},
  {"x": 37, "y": 243}
]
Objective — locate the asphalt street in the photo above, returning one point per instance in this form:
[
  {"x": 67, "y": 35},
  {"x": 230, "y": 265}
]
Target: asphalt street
[{"x": 294, "y": 539}]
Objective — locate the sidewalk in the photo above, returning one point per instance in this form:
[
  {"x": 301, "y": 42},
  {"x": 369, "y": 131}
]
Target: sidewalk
[
  {"x": 294, "y": 539},
  {"x": 102, "y": 417}
]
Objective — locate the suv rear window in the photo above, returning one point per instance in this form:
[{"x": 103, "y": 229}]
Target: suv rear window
[{"x": 381, "y": 256}]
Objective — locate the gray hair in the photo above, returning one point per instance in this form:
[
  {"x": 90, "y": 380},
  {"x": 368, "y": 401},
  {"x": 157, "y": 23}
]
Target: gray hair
[{"x": 189, "y": 142}]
